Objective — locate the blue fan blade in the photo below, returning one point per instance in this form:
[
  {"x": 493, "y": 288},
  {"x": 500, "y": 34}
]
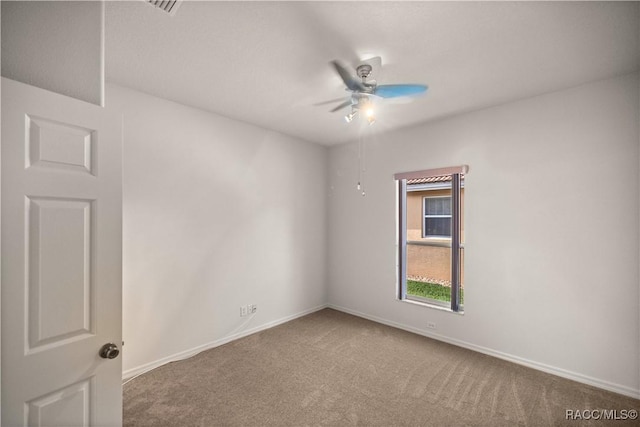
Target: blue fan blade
[{"x": 393, "y": 91}]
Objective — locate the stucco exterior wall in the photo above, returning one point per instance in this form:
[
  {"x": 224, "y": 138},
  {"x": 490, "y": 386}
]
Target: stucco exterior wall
[{"x": 425, "y": 259}]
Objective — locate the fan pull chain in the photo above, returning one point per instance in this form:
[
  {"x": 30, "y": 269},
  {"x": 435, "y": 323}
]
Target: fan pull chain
[{"x": 361, "y": 166}]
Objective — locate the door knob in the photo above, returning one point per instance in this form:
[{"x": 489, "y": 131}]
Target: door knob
[{"x": 109, "y": 351}]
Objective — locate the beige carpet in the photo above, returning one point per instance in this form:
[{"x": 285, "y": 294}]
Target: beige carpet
[{"x": 331, "y": 368}]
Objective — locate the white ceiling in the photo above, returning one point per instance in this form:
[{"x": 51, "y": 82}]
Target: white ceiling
[{"x": 267, "y": 63}]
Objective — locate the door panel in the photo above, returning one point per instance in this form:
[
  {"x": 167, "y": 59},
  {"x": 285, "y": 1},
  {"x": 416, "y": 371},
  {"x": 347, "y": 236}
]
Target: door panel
[
  {"x": 61, "y": 259},
  {"x": 69, "y": 406},
  {"x": 58, "y": 145},
  {"x": 60, "y": 289}
]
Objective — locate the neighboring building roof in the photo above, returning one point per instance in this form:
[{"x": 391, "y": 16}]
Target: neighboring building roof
[
  {"x": 442, "y": 178},
  {"x": 430, "y": 183}
]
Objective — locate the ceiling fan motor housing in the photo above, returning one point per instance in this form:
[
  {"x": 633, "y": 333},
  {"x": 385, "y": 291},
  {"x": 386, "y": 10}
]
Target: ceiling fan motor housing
[{"x": 364, "y": 70}]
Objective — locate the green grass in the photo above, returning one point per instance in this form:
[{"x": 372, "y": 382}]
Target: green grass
[{"x": 431, "y": 290}]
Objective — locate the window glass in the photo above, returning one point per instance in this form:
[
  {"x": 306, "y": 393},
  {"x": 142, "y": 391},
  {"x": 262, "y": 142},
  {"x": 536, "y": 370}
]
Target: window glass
[{"x": 431, "y": 241}]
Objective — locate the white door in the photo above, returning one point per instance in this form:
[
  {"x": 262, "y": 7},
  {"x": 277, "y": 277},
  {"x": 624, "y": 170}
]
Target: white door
[{"x": 61, "y": 260}]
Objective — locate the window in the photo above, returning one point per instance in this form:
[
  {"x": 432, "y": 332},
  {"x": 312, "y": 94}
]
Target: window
[
  {"x": 431, "y": 237},
  {"x": 437, "y": 217}
]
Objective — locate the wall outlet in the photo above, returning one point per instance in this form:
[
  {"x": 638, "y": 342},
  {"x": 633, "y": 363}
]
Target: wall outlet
[
  {"x": 431, "y": 325},
  {"x": 248, "y": 309}
]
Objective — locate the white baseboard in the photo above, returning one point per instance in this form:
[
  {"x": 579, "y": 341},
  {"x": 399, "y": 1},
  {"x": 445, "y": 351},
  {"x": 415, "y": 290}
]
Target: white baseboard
[
  {"x": 138, "y": 370},
  {"x": 606, "y": 385}
]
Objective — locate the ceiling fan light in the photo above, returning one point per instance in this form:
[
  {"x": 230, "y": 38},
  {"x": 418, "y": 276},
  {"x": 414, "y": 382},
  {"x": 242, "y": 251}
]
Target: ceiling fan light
[{"x": 370, "y": 114}]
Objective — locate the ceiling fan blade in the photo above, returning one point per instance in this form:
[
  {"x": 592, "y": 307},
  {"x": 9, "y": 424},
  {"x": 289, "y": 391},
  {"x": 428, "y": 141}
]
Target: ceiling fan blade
[
  {"x": 341, "y": 106},
  {"x": 329, "y": 102},
  {"x": 350, "y": 81},
  {"x": 393, "y": 91}
]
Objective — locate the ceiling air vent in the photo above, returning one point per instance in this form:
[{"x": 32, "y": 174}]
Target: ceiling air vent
[{"x": 171, "y": 6}]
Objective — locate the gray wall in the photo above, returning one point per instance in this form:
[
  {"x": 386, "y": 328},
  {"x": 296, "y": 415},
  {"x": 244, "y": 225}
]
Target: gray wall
[
  {"x": 217, "y": 214},
  {"x": 55, "y": 45},
  {"x": 551, "y": 275}
]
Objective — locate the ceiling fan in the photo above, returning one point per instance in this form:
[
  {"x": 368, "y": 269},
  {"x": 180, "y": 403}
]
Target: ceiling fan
[{"x": 364, "y": 90}]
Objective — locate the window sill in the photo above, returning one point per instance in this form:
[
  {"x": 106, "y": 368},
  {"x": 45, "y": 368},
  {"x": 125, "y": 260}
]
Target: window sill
[{"x": 435, "y": 306}]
